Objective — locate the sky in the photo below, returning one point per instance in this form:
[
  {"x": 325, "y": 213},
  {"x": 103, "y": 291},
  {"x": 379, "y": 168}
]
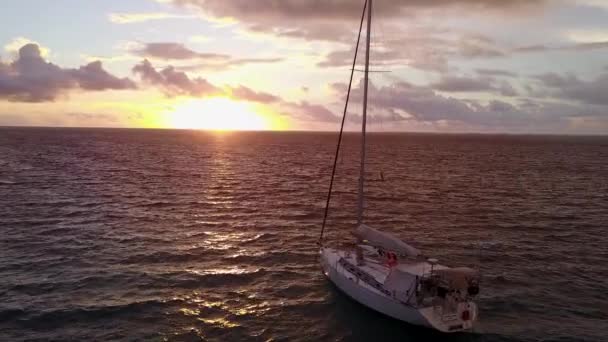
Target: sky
[{"x": 487, "y": 66}]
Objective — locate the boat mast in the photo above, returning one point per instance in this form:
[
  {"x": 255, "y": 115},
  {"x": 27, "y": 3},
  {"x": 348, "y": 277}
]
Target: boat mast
[
  {"x": 346, "y": 103},
  {"x": 364, "y": 121}
]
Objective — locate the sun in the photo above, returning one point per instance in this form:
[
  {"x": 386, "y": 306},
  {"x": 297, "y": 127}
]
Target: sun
[{"x": 219, "y": 114}]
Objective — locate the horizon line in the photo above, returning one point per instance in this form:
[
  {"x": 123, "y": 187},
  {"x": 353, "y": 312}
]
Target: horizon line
[{"x": 311, "y": 131}]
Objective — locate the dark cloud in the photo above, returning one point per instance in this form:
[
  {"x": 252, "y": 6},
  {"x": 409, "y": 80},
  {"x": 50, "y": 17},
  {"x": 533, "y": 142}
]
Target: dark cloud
[
  {"x": 590, "y": 46},
  {"x": 203, "y": 61},
  {"x": 386, "y": 57},
  {"x": 333, "y": 9},
  {"x": 306, "y": 111},
  {"x": 173, "y": 82},
  {"x": 423, "y": 48},
  {"x": 420, "y": 103},
  {"x": 243, "y": 61},
  {"x": 324, "y": 31},
  {"x": 175, "y": 51},
  {"x": 336, "y": 21},
  {"x": 506, "y": 89},
  {"x": 572, "y": 47},
  {"x": 497, "y": 106},
  {"x": 463, "y": 84},
  {"x": 554, "y": 80},
  {"x": 248, "y": 94},
  {"x": 428, "y": 49},
  {"x": 474, "y": 84},
  {"x": 531, "y": 48},
  {"x": 495, "y": 72},
  {"x": 93, "y": 77},
  {"x": 569, "y": 86},
  {"x": 225, "y": 65},
  {"x": 331, "y": 19},
  {"x": 32, "y": 79},
  {"x": 479, "y": 48},
  {"x": 405, "y": 101}
]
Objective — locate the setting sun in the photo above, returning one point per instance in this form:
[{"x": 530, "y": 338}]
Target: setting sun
[{"x": 221, "y": 114}]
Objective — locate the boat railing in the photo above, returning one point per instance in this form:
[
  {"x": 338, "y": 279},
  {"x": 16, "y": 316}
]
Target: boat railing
[{"x": 364, "y": 276}]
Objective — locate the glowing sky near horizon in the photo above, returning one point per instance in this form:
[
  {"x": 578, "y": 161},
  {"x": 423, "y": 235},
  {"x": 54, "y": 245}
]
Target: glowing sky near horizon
[{"x": 536, "y": 66}]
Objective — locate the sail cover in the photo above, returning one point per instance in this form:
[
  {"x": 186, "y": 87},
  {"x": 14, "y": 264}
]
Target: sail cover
[{"x": 385, "y": 241}]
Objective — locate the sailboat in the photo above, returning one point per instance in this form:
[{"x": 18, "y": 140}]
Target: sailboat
[{"x": 387, "y": 274}]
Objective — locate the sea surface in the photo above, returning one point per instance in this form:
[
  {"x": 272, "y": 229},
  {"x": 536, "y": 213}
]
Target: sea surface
[{"x": 160, "y": 235}]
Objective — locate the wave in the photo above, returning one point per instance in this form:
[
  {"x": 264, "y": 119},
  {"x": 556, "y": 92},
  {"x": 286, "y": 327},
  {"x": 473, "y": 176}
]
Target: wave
[{"x": 55, "y": 318}]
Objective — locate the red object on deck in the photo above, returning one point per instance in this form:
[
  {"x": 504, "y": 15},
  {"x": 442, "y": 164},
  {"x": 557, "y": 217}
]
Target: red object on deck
[
  {"x": 392, "y": 259},
  {"x": 466, "y": 315}
]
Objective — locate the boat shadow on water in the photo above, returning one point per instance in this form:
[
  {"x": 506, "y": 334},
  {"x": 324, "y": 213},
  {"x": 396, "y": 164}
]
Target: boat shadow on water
[{"x": 356, "y": 322}]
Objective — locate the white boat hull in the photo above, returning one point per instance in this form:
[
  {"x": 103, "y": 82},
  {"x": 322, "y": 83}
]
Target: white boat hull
[{"x": 376, "y": 300}]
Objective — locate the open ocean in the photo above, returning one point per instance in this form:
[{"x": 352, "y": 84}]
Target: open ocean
[{"x": 186, "y": 235}]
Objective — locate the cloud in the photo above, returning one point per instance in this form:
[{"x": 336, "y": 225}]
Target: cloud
[
  {"x": 32, "y": 79},
  {"x": 262, "y": 60},
  {"x": 170, "y": 51},
  {"x": 593, "y": 92},
  {"x": 247, "y": 94},
  {"x": 175, "y": 51},
  {"x": 131, "y": 18},
  {"x": 402, "y": 101},
  {"x": 587, "y": 35},
  {"x": 428, "y": 49},
  {"x": 554, "y": 80},
  {"x": 330, "y": 19},
  {"x": 495, "y": 72},
  {"x": 405, "y": 102},
  {"x": 13, "y": 46},
  {"x": 332, "y": 9},
  {"x": 463, "y": 84},
  {"x": 572, "y": 47},
  {"x": 174, "y": 82},
  {"x": 306, "y": 111},
  {"x": 478, "y": 46},
  {"x": 474, "y": 84},
  {"x": 595, "y": 3},
  {"x": 335, "y": 21},
  {"x": 588, "y": 46},
  {"x": 93, "y": 77},
  {"x": 432, "y": 49}
]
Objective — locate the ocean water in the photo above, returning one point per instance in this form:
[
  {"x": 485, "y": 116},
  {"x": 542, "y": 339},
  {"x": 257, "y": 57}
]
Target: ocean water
[{"x": 188, "y": 236}]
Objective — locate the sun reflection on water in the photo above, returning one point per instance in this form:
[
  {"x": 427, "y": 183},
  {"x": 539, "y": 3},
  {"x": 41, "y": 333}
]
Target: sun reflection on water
[
  {"x": 223, "y": 313},
  {"x": 190, "y": 312},
  {"x": 226, "y": 270},
  {"x": 220, "y": 322}
]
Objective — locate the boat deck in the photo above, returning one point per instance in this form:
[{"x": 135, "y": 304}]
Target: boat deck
[
  {"x": 377, "y": 268},
  {"x": 374, "y": 271}
]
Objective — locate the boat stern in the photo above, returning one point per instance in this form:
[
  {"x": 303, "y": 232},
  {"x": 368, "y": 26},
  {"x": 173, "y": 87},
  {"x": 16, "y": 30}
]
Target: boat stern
[{"x": 462, "y": 318}]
